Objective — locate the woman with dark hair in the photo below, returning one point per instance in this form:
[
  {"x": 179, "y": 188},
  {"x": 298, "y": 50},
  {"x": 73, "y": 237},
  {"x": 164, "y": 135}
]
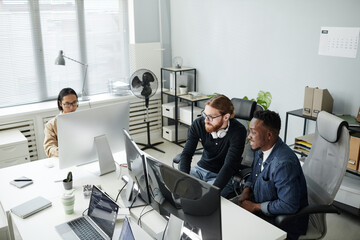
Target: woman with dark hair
[{"x": 67, "y": 101}]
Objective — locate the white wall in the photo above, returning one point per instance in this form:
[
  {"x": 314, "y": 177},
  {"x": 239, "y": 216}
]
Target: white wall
[{"x": 242, "y": 46}]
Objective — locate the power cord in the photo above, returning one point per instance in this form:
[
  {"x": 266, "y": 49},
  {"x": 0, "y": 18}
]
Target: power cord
[
  {"x": 117, "y": 197},
  {"x": 83, "y": 213},
  {"x": 167, "y": 223},
  {"x": 142, "y": 214},
  {"x": 134, "y": 200}
]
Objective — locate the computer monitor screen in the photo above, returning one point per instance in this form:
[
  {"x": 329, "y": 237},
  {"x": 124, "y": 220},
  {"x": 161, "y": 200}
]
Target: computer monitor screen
[
  {"x": 77, "y": 131},
  {"x": 190, "y": 199},
  {"x": 136, "y": 166}
]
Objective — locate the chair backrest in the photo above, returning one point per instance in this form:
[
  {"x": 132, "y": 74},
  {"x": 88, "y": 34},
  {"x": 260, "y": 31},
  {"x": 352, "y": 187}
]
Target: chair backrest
[
  {"x": 325, "y": 167},
  {"x": 244, "y": 109}
]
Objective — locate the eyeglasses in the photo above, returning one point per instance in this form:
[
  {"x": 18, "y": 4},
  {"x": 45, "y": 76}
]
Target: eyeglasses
[
  {"x": 73, "y": 104},
  {"x": 210, "y": 118}
]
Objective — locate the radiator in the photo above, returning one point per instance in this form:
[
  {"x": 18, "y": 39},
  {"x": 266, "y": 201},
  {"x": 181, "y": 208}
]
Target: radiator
[
  {"x": 28, "y": 129},
  {"x": 137, "y": 124}
]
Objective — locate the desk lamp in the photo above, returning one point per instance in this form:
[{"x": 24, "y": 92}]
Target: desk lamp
[{"x": 60, "y": 60}]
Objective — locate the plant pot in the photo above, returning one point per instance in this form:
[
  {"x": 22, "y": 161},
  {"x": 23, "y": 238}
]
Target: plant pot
[
  {"x": 183, "y": 90},
  {"x": 68, "y": 185}
]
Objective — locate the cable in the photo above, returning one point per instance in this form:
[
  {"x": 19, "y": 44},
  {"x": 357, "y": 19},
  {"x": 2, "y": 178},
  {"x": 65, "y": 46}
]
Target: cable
[
  {"x": 141, "y": 215},
  {"x": 120, "y": 192},
  {"x": 167, "y": 223},
  {"x": 84, "y": 211},
  {"x": 134, "y": 200}
]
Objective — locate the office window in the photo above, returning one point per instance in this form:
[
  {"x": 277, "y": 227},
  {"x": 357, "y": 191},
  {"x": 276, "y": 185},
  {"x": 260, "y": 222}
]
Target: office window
[{"x": 33, "y": 32}]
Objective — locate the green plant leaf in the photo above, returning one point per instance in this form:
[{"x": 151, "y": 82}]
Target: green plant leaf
[{"x": 69, "y": 177}]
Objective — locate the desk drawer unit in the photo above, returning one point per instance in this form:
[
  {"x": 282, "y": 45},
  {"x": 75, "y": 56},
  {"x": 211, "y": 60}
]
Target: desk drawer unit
[{"x": 13, "y": 148}]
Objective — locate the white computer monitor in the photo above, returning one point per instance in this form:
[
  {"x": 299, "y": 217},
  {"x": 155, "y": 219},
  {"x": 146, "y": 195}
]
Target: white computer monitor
[{"x": 78, "y": 133}]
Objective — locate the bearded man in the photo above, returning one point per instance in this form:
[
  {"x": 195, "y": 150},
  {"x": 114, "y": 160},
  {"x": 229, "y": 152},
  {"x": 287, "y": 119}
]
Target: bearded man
[{"x": 222, "y": 139}]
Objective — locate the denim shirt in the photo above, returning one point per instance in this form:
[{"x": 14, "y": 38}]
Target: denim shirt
[{"x": 281, "y": 186}]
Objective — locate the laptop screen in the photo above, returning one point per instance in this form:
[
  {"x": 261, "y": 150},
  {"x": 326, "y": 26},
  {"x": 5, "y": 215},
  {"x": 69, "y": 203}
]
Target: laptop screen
[
  {"x": 126, "y": 232},
  {"x": 103, "y": 211}
]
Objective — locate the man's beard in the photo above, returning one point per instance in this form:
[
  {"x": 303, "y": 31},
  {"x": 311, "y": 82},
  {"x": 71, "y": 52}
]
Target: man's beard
[{"x": 213, "y": 128}]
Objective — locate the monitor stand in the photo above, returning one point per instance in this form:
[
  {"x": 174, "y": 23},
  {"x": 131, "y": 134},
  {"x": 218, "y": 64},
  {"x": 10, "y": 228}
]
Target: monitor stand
[
  {"x": 131, "y": 192},
  {"x": 178, "y": 229},
  {"x": 106, "y": 159},
  {"x": 173, "y": 230}
]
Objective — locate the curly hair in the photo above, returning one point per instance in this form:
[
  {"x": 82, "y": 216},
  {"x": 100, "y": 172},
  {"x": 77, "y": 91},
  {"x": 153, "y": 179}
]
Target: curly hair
[{"x": 270, "y": 119}]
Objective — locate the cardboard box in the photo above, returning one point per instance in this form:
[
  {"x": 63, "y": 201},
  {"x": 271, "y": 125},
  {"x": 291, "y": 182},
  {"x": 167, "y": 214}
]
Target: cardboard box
[
  {"x": 169, "y": 132},
  {"x": 168, "y": 109},
  {"x": 185, "y": 114},
  {"x": 354, "y": 153},
  {"x": 308, "y": 101},
  {"x": 322, "y": 101}
]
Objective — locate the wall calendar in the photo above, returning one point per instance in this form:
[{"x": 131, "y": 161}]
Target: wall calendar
[{"x": 339, "y": 41}]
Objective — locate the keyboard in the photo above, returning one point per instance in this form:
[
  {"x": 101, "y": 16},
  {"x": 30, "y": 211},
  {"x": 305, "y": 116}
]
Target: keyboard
[{"x": 84, "y": 230}]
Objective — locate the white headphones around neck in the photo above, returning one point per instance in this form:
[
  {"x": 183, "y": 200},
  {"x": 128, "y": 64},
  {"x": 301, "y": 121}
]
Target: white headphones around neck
[{"x": 221, "y": 132}]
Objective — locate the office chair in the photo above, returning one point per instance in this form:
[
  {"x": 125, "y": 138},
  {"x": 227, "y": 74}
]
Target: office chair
[
  {"x": 324, "y": 170},
  {"x": 244, "y": 111}
]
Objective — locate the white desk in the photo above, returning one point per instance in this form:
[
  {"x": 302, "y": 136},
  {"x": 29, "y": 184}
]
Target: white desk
[{"x": 236, "y": 221}]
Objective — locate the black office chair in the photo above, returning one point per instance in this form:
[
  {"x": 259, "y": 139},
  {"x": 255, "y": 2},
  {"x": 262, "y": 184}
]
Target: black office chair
[
  {"x": 324, "y": 170},
  {"x": 244, "y": 111}
]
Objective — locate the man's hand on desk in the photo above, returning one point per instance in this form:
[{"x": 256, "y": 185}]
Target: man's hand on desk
[
  {"x": 250, "y": 206},
  {"x": 245, "y": 195}
]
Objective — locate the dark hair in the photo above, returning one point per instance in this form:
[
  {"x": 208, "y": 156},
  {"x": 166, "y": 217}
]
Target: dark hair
[
  {"x": 223, "y": 104},
  {"x": 270, "y": 119},
  {"x": 64, "y": 92}
]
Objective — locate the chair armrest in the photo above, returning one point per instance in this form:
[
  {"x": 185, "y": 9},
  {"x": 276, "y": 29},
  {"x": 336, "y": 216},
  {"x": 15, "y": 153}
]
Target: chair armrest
[
  {"x": 280, "y": 220},
  {"x": 176, "y": 160},
  {"x": 242, "y": 174}
]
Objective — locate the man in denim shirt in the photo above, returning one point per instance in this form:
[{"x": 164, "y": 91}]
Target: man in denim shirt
[{"x": 277, "y": 184}]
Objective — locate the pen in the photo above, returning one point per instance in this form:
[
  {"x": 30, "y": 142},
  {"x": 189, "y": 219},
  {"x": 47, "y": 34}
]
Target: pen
[{"x": 23, "y": 180}]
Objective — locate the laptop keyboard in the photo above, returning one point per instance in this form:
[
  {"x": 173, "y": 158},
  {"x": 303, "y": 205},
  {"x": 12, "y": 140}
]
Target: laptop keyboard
[{"x": 84, "y": 230}]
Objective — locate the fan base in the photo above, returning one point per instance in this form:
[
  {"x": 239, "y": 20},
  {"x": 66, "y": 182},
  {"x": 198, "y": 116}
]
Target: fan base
[{"x": 151, "y": 146}]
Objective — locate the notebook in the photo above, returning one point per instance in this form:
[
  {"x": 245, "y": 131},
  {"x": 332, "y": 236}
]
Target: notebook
[
  {"x": 21, "y": 184},
  {"x": 30, "y": 207},
  {"x": 98, "y": 223}
]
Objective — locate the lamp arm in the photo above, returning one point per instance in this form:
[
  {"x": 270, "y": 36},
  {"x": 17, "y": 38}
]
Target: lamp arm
[{"x": 84, "y": 64}]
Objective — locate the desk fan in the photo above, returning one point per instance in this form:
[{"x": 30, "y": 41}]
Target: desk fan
[{"x": 144, "y": 85}]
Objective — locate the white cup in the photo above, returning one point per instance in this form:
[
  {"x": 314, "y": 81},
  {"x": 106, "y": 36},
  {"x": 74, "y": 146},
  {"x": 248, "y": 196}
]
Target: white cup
[{"x": 68, "y": 201}]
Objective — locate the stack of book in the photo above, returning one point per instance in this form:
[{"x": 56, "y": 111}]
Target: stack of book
[{"x": 304, "y": 143}]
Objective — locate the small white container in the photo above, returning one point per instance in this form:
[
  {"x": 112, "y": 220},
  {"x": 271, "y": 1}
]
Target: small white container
[
  {"x": 169, "y": 132},
  {"x": 168, "y": 109},
  {"x": 185, "y": 114}
]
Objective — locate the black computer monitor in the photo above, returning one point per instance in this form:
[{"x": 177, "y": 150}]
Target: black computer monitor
[
  {"x": 136, "y": 167},
  {"x": 190, "y": 199}
]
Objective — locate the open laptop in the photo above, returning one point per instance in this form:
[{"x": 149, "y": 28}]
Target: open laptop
[
  {"x": 126, "y": 231},
  {"x": 99, "y": 223}
]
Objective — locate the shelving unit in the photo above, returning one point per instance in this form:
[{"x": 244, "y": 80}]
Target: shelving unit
[{"x": 174, "y": 96}]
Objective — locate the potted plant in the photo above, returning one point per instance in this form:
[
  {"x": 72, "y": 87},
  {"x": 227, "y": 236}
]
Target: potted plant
[
  {"x": 68, "y": 181},
  {"x": 263, "y": 99},
  {"x": 183, "y": 89}
]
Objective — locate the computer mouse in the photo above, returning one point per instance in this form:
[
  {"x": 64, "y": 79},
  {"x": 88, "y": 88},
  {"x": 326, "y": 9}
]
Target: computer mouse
[{"x": 49, "y": 164}]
